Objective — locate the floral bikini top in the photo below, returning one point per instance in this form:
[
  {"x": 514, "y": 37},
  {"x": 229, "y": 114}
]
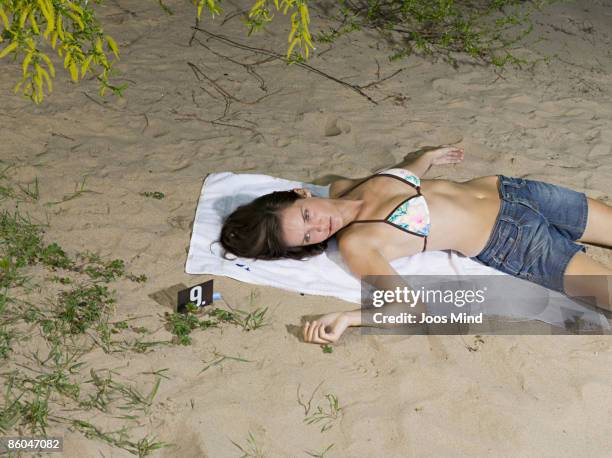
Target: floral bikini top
[{"x": 412, "y": 214}]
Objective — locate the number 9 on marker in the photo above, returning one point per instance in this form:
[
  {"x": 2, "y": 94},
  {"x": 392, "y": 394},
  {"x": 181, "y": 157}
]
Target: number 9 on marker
[
  {"x": 200, "y": 295},
  {"x": 195, "y": 295}
]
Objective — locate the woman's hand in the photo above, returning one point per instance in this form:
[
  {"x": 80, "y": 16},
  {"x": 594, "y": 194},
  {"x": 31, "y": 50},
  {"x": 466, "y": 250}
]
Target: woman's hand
[
  {"x": 444, "y": 155},
  {"x": 421, "y": 161},
  {"x": 327, "y": 329}
]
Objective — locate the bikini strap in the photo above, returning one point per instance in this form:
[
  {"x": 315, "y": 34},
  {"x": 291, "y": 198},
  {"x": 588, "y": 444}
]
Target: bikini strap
[
  {"x": 418, "y": 188},
  {"x": 390, "y": 224}
]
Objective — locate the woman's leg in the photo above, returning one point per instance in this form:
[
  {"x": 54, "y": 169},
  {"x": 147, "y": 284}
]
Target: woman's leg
[
  {"x": 588, "y": 278},
  {"x": 599, "y": 224}
]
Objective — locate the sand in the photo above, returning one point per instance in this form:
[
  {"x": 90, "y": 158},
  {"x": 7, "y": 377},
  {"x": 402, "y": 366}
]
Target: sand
[{"x": 400, "y": 395}]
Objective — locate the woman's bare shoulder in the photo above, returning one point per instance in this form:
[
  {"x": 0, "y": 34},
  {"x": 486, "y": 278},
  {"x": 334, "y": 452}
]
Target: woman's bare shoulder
[
  {"x": 341, "y": 185},
  {"x": 353, "y": 241},
  {"x": 362, "y": 256}
]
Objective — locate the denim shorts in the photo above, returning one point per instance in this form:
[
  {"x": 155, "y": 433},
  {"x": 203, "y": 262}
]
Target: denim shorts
[{"x": 535, "y": 231}]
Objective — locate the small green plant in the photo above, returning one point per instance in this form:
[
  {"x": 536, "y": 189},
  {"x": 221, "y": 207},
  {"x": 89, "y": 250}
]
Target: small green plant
[
  {"x": 327, "y": 348},
  {"x": 325, "y": 416},
  {"x": 320, "y": 454},
  {"x": 137, "y": 278},
  {"x": 181, "y": 325},
  {"x": 78, "y": 191},
  {"x": 62, "y": 280},
  {"x": 140, "y": 345},
  {"x": 222, "y": 315},
  {"x": 20, "y": 246},
  {"x": 7, "y": 335},
  {"x": 108, "y": 271},
  {"x": 36, "y": 412},
  {"x": 54, "y": 257},
  {"x": 140, "y": 329},
  {"x": 153, "y": 194},
  {"x": 117, "y": 327},
  {"x": 119, "y": 438},
  {"x": 251, "y": 449},
  {"x": 32, "y": 193},
  {"x": 79, "y": 309},
  {"x": 147, "y": 444},
  {"x": 221, "y": 358},
  {"x": 28, "y": 193},
  {"x": 108, "y": 391},
  {"x": 248, "y": 321},
  {"x": 191, "y": 307},
  {"x": 6, "y": 192},
  {"x": 159, "y": 373},
  {"x": 10, "y": 416},
  {"x": 252, "y": 320}
]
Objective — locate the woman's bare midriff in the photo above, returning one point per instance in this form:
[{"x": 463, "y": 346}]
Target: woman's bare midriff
[{"x": 462, "y": 215}]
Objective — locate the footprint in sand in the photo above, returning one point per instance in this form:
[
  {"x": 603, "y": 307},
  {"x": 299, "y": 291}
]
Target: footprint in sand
[
  {"x": 599, "y": 150},
  {"x": 179, "y": 222},
  {"x": 335, "y": 126},
  {"x": 478, "y": 342},
  {"x": 281, "y": 142}
]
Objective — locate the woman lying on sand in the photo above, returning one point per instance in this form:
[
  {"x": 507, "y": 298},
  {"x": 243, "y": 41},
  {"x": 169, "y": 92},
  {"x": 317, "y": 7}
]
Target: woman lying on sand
[{"x": 525, "y": 228}]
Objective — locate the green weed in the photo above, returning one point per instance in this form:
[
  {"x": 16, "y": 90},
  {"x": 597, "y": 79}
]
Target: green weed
[
  {"x": 248, "y": 321},
  {"x": 108, "y": 392},
  {"x": 33, "y": 393},
  {"x": 20, "y": 246},
  {"x": 140, "y": 345},
  {"x": 32, "y": 193},
  {"x": 7, "y": 335},
  {"x": 181, "y": 326},
  {"x": 154, "y": 194},
  {"x": 486, "y": 32},
  {"x": 251, "y": 449},
  {"x": 325, "y": 416},
  {"x": 78, "y": 191},
  {"x": 62, "y": 280},
  {"x": 221, "y": 358},
  {"x": 320, "y": 454},
  {"x": 158, "y": 373},
  {"x": 119, "y": 438},
  {"x": 29, "y": 193},
  {"x": 79, "y": 309},
  {"x": 36, "y": 411}
]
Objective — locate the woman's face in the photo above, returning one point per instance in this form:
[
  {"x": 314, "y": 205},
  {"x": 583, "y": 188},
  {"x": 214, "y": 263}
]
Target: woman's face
[{"x": 310, "y": 220}]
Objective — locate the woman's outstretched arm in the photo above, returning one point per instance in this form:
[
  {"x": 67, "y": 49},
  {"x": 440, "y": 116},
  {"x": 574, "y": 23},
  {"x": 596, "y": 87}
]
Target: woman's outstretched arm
[
  {"x": 419, "y": 162},
  {"x": 368, "y": 264}
]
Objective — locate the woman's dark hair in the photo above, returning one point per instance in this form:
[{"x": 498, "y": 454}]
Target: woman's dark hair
[{"x": 254, "y": 230}]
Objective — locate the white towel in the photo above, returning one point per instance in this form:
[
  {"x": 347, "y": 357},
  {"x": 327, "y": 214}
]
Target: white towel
[{"x": 326, "y": 274}]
